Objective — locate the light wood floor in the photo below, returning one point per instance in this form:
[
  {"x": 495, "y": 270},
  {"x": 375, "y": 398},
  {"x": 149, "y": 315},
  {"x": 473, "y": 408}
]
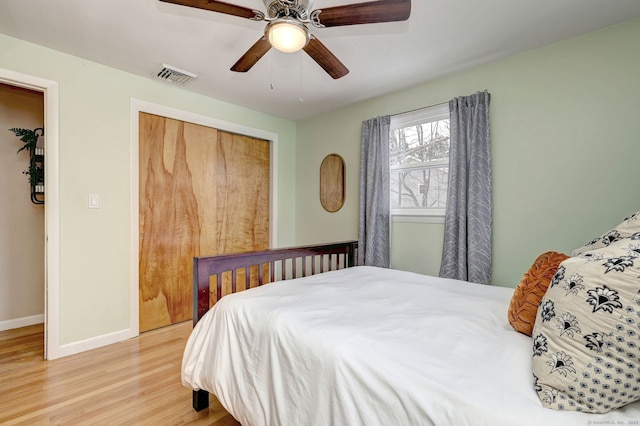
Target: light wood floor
[{"x": 136, "y": 382}]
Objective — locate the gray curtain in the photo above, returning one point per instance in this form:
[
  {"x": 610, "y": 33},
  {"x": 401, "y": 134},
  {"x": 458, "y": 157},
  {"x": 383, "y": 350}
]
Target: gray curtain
[
  {"x": 375, "y": 210},
  {"x": 468, "y": 218}
]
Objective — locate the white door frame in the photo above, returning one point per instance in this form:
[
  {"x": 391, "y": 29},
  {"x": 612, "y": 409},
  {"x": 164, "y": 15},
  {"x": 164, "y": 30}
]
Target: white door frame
[
  {"x": 52, "y": 206},
  {"x": 138, "y": 106}
]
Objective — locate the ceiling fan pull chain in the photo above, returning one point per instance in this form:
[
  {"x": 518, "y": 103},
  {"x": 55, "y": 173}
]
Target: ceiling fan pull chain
[
  {"x": 271, "y": 86},
  {"x": 300, "y": 85}
]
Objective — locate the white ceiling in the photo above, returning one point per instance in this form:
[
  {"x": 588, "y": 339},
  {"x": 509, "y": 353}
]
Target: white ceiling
[{"x": 440, "y": 37}]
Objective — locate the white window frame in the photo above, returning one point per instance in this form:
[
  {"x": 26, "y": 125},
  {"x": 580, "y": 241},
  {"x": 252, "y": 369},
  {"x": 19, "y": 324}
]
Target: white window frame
[{"x": 412, "y": 118}]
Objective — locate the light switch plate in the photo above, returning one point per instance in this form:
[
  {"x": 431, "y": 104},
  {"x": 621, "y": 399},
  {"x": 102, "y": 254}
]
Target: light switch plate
[{"x": 94, "y": 201}]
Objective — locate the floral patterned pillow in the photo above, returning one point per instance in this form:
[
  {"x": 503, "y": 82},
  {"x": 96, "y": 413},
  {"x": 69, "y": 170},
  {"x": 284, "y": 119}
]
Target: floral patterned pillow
[
  {"x": 586, "y": 336},
  {"x": 629, "y": 228}
]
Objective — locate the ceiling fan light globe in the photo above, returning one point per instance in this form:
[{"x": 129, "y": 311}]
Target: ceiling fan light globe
[{"x": 287, "y": 35}]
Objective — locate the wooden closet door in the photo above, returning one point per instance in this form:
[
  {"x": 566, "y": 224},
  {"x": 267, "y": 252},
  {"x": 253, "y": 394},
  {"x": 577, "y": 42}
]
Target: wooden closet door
[
  {"x": 182, "y": 205},
  {"x": 243, "y": 193}
]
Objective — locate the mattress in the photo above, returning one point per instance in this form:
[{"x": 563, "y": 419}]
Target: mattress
[{"x": 371, "y": 346}]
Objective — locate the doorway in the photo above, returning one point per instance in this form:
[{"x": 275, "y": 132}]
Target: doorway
[
  {"x": 21, "y": 221},
  {"x": 51, "y": 216}
]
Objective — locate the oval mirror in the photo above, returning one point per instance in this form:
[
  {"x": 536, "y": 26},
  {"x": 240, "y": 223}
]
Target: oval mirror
[{"x": 332, "y": 183}]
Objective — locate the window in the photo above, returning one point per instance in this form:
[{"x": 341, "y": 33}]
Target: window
[{"x": 419, "y": 162}]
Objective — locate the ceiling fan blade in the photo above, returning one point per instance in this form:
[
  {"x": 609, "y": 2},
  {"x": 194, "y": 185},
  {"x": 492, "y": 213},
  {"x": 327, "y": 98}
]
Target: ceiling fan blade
[
  {"x": 325, "y": 59},
  {"x": 371, "y": 12},
  {"x": 252, "y": 56},
  {"x": 222, "y": 7}
]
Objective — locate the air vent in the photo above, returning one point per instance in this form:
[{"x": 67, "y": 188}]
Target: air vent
[{"x": 174, "y": 75}]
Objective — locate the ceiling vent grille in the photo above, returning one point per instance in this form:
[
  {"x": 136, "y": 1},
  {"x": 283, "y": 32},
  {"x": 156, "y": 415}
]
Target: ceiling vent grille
[{"x": 174, "y": 75}]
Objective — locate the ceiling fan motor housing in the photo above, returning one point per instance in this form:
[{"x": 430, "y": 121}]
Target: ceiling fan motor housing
[{"x": 296, "y": 8}]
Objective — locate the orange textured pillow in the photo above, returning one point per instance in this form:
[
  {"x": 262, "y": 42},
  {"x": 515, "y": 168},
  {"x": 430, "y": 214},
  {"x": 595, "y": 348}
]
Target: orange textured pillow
[{"x": 526, "y": 297}]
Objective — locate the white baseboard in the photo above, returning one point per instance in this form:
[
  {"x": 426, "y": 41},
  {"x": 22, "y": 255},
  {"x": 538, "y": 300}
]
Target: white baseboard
[
  {"x": 21, "y": 322},
  {"x": 95, "y": 342}
]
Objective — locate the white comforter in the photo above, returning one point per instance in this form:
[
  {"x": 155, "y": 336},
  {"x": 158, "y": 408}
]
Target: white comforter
[{"x": 370, "y": 346}]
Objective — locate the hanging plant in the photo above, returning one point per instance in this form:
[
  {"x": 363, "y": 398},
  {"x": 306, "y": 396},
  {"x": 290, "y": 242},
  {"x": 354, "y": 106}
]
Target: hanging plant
[
  {"x": 28, "y": 136},
  {"x": 30, "y": 139}
]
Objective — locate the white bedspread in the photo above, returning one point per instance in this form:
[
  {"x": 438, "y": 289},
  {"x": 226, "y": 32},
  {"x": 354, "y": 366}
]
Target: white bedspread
[{"x": 370, "y": 346}]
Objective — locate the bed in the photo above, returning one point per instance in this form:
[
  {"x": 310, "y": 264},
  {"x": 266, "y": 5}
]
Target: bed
[{"x": 356, "y": 345}]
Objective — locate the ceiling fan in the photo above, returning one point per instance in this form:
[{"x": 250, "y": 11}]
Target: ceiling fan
[{"x": 287, "y": 26}]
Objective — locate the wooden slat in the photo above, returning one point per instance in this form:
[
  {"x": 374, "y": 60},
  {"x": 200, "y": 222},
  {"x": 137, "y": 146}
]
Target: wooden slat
[
  {"x": 304, "y": 266},
  {"x": 283, "y": 270},
  {"x": 261, "y": 275}
]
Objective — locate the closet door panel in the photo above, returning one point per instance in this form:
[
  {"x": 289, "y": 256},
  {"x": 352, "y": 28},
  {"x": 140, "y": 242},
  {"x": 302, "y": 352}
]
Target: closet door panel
[
  {"x": 243, "y": 194},
  {"x": 177, "y": 214}
]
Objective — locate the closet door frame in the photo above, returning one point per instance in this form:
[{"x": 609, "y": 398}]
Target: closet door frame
[{"x": 138, "y": 106}]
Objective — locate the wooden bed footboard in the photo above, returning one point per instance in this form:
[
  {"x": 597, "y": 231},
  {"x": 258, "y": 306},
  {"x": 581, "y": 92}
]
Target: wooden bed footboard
[{"x": 230, "y": 273}]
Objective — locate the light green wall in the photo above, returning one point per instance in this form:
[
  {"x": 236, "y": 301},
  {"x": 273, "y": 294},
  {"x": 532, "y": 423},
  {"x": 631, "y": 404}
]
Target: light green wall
[
  {"x": 94, "y": 158},
  {"x": 565, "y": 124}
]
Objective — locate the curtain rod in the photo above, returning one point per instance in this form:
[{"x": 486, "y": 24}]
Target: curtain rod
[{"x": 418, "y": 109}]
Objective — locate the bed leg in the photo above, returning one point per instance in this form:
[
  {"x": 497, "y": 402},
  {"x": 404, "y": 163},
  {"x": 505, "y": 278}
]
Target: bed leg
[{"x": 200, "y": 400}]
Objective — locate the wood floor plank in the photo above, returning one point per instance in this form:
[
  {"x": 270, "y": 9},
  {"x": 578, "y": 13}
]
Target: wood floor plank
[{"x": 136, "y": 382}]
